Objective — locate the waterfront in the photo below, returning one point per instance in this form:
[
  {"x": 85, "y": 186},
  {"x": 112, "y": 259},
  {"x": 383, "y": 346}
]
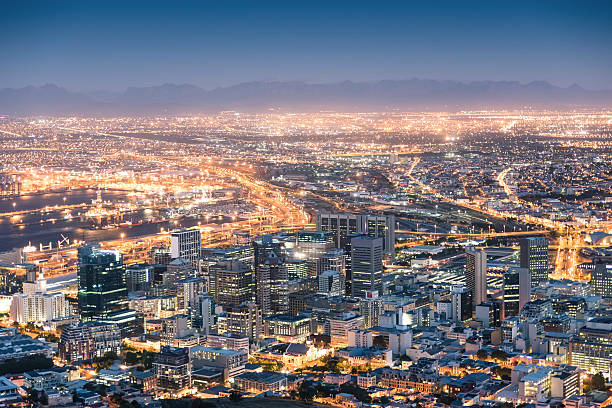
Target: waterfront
[{"x": 52, "y": 226}]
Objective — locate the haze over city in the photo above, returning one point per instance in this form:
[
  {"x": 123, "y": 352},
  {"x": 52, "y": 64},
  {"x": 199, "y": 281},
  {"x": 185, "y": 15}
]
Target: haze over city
[{"x": 347, "y": 204}]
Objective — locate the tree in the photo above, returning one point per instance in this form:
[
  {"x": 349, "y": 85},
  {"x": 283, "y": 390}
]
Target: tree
[
  {"x": 499, "y": 355},
  {"x": 598, "y": 382},
  {"x": 359, "y": 393},
  {"x": 306, "y": 391},
  {"x": 482, "y": 354}
]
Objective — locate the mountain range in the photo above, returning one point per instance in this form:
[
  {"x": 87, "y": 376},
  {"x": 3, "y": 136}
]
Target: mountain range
[{"x": 413, "y": 94}]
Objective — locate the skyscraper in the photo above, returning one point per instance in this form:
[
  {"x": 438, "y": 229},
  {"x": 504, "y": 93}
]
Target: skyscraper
[
  {"x": 534, "y": 256},
  {"x": 601, "y": 280},
  {"x": 461, "y": 304},
  {"x": 186, "y": 244},
  {"x": 341, "y": 225},
  {"x": 233, "y": 283},
  {"x": 371, "y": 307},
  {"x": 103, "y": 294},
  {"x": 476, "y": 275},
  {"x": 366, "y": 265},
  {"x": 331, "y": 283},
  {"x": 348, "y": 264},
  {"x": 524, "y": 287},
  {"x": 245, "y": 320},
  {"x": 511, "y": 293},
  {"x": 272, "y": 284},
  {"x": 311, "y": 246}
]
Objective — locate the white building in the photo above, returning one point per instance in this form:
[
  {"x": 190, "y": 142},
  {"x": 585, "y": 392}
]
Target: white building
[{"x": 36, "y": 306}]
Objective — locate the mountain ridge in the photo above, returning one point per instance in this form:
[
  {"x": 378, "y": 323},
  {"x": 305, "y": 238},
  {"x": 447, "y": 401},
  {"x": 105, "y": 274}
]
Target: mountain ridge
[{"x": 410, "y": 94}]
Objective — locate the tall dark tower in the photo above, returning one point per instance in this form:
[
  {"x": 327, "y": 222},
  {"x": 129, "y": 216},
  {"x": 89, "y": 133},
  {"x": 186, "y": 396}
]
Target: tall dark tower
[
  {"x": 534, "y": 256},
  {"x": 103, "y": 294},
  {"x": 272, "y": 284}
]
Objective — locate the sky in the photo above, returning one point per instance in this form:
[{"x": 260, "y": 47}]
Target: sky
[{"x": 108, "y": 45}]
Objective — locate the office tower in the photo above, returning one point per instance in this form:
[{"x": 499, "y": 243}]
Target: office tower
[
  {"x": 348, "y": 263},
  {"x": 312, "y": 245},
  {"x": 366, "y": 265},
  {"x": 461, "y": 304},
  {"x": 489, "y": 313},
  {"x": 272, "y": 283},
  {"x": 476, "y": 275},
  {"x": 188, "y": 290},
  {"x": 331, "y": 283},
  {"x": 601, "y": 280},
  {"x": 524, "y": 287},
  {"x": 186, "y": 244},
  {"x": 511, "y": 293},
  {"x": 177, "y": 269},
  {"x": 335, "y": 260},
  {"x": 103, "y": 294},
  {"x": 371, "y": 307},
  {"x": 534, "y": 256},
  {"x": 174, "y": 327},
  {"x": 565, "y": 383},
  {"x": 245, "y": 320},
  {"x": 341, "y": 225},
  {"x": 339, "y": 328},
  {"x": 233, "y": 283},
  {"x": 591, "y": 349},
  {"x": 161, "y": 255},
  {"x": 172, "y": 367},
  {"x": 207, "y": 312},
  {"x": 297, "y": 268},
  {"x": 139, "y": 277}
]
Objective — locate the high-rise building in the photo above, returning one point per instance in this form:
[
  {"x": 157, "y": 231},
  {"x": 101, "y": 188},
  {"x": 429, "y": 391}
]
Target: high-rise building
[
  {"x": 103, "y": 294},
  {"x": 476, "y": 275},
  {"x": 489, "y": 313},
  {"x": 339, "y": 328},
  {"x": 534, "y": 256},
  {"x": 331, "y": 283},
  {"x": 341, "y": 225},
  {"x": 311, "y": 246},
  {"x": 335, "y": 260},
  {"x": 207, "y": 312},
  {"x": 87, "y": 341},
  {"x": 139, "y": 277},
  {"x": 186, "y": 243},
  {"x": 601, "y": 280},
  {"x": 272, "y": 283},
  {"x": 524, "y": 287},
  {"x": 245, "y": 320},
  {"x": 366, "y": 265},
  {"x": 172, "y": 367},
  {"x": 160, "y": 255},
  {"x": 177, "y": 269},
  {"x": 348, "y": 263},
  {"x": 188, "y": 291},
  {"x": 511, "y": 293},
  {"x": 371, "y": 307},
  {"x": 461, "y": 304},
  {"x": 37, "y": 306},
  {"x": 297, "y": 268},
  {"x": 591, "y": 349},
  {"x": 233, "y": 283}
]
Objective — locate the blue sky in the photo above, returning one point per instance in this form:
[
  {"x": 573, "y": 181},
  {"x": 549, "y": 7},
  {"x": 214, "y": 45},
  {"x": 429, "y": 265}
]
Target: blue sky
[{"x": 94, "y": 45}]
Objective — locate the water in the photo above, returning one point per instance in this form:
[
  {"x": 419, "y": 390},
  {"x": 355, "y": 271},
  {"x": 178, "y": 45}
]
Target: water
[{"x": 33, "y": 231}]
